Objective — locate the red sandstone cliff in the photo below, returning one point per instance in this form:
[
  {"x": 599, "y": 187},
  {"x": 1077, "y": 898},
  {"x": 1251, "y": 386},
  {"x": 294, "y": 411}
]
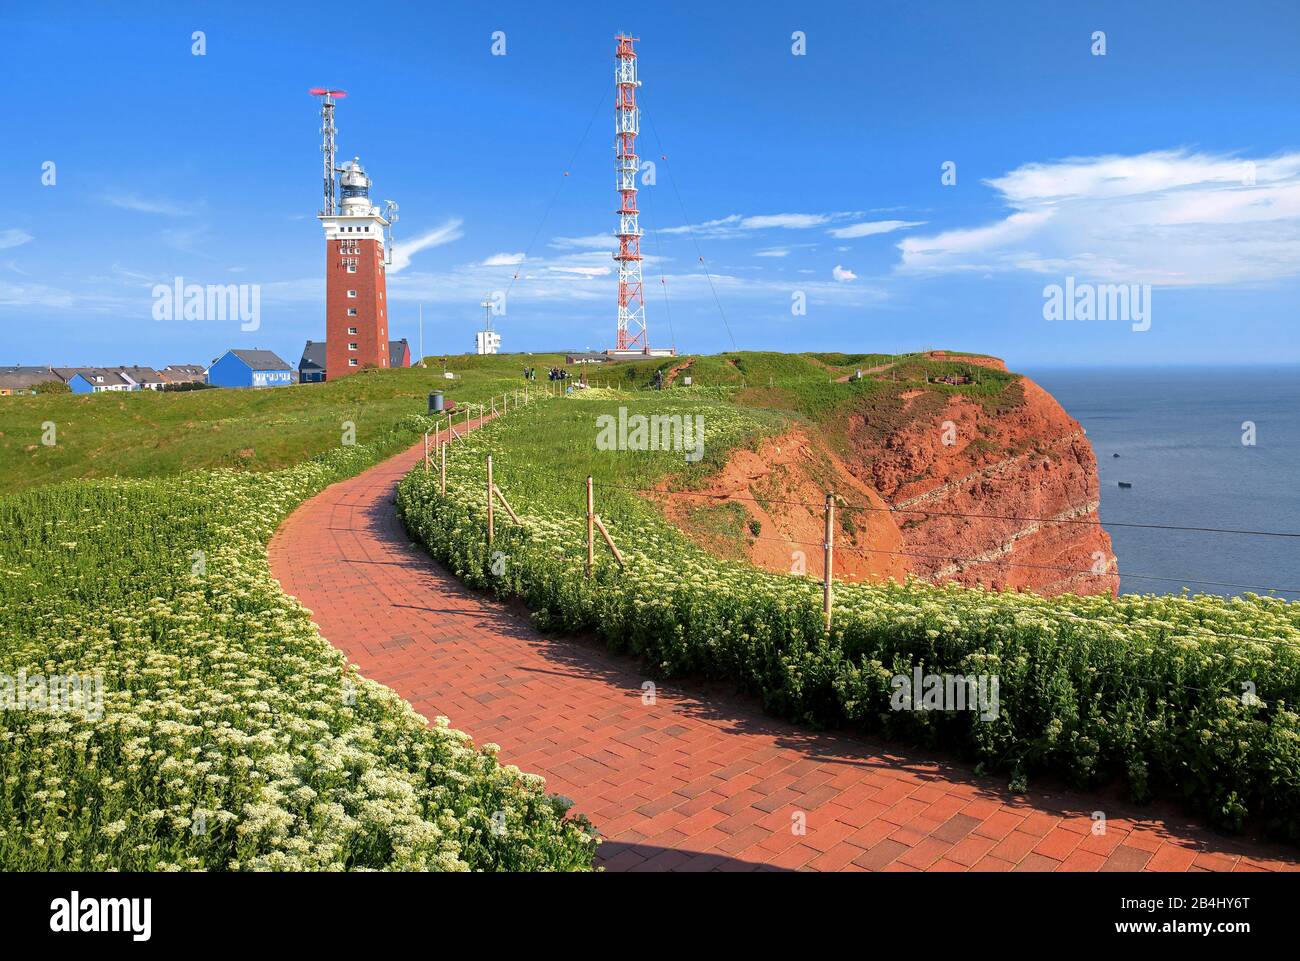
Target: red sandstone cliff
[
  {"x": 924, "y": 459},
  {"x": 1027, "y": 469}
]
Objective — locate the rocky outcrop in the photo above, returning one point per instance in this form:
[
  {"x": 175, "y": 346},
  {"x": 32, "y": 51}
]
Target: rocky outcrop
[
  {"x": 978, "y": 487},
  {"x": 1000, "y": 493},
  {"x": 767, "y": 505}
]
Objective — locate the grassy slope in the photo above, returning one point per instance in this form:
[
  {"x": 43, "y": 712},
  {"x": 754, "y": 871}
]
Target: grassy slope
[{"x": 147, "y": 434}]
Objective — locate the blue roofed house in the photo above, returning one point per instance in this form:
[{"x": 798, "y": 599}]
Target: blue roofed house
[
  {"x": 249, "y": 368},
  {"x": 94, "y": 380},
  {"x": 311, "y": 368}
]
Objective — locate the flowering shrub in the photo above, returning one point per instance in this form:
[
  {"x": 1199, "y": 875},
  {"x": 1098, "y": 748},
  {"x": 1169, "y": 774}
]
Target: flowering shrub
[
  {"x": 1193, "y": 696},
  {"x": 232, "y": 735}
]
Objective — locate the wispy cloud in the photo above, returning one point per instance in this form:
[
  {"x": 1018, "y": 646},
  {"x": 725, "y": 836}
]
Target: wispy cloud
[
  {"x": 13, "y": 237},
  {"x": 150, "y": 205},
  {"x": 589, "y": 242},
  {"x": 186, "y": 239},
  {"x": 842, "y": 274},
  {"x": 582, "y": 271},
  {"x": 504, "y": 260},
  {"x": 773, "y": 252},
  {"x": 872, "y": 227},
  {"x": 738, "y": 225},
  {"x": 404, "y": 250},
  {"x": 1170, "y": 217}
]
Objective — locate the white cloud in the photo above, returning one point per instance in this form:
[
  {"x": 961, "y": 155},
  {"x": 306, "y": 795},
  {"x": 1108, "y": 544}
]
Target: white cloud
[
  {"x": 590, "y": 242},
  {"x": 736, "y": 225},
  {"x": 843, "y": 274},
  {"x": 873, "y": 227},
  {"x": 1168, "y": 217},
  {"x": 789, "y": 221},
  {"x": 149, "y": 205},
  {"x": 773, "y": 252},
  {"x": 186, "y": 239},
  {"x": 504, "y": 260},
  {"x": 404, "y": 250},
  {"x": 582, "y": 271},
  {"x": 14, "y": 237}
]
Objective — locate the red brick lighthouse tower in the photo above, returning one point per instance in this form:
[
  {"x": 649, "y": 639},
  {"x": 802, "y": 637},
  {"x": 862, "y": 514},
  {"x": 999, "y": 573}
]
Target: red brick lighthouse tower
[
  {"x": 356, "y": 299},
  {"x": 356, "y": 258}
]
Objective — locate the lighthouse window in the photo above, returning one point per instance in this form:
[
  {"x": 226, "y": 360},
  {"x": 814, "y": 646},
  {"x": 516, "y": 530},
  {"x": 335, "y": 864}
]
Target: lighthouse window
[
  {"x": 352, "y": 362},
  {"x": 352, "y": 330},
  {"x": 352, "y": 346},
  {"x": 352, "y": 311},
  {"x": 352, "y": 293},
  {"x": 352, "y": 267}
]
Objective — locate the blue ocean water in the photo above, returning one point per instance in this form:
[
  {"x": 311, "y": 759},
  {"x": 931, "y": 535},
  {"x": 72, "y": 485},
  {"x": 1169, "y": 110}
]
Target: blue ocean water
[{"x": 1178, "y": 433}]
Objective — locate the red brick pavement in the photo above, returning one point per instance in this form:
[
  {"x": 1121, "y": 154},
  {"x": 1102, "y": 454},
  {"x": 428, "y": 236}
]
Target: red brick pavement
[{"x": 696, "y": 781}]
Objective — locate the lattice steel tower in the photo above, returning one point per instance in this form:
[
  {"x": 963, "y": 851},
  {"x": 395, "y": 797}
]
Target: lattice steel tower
[{"x": 627, "y": 124}]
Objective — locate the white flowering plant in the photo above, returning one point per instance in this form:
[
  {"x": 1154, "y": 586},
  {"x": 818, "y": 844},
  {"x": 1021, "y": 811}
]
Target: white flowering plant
[
  {"x": 232, "y": 735},
  {"x": 1186, "y": 696}
]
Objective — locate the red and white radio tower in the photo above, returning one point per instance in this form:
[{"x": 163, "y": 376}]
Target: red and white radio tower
[{"x": 627, "y": 124}]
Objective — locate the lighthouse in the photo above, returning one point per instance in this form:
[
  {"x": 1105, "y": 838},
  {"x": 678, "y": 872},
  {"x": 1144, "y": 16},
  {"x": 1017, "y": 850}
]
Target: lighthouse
[
  {"x": 357, "y": 254},
  {"x": 356, "y": 307}
]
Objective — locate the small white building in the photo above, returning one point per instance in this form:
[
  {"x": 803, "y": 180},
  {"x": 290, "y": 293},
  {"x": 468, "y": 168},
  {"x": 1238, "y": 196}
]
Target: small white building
[{"x": 487, "y": 342}]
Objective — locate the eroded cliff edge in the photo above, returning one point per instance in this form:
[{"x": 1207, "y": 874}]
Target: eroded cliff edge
[{"x": 946, "y": 469}]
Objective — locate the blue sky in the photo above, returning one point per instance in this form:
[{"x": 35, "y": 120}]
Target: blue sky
[{"x": 1171, "y": 161}]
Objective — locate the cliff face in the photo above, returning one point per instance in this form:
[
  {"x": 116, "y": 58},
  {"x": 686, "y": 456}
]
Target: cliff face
[
  {"x": 1012, "y": 464},
  {"x": 767, "y": 506},
  {"x": 923, "y": 459}
]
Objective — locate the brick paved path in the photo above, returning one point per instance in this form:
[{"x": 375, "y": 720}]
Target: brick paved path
[{"x": 698, "y": 780}]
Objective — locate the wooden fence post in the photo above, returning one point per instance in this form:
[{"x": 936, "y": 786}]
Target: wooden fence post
[
  {"x": 443, "y": 448},
  {"x": 489, "y": 498},
  {"x": 426, "y": 452},
  {"x": 591, "y": 527},
  {"x": 830, "y": 556}
]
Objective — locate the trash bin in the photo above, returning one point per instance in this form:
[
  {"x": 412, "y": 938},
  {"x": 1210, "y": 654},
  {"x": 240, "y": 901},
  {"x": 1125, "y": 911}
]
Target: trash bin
[{"x": 435, "y": 402}]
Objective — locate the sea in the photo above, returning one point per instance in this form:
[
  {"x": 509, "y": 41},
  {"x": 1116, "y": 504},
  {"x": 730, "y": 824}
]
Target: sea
[{"x": 1201, "y": 447}]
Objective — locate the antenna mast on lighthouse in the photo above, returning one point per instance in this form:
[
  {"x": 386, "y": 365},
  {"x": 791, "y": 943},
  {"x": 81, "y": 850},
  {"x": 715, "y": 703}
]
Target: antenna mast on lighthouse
[
  {"x": 328, "y": 97},
  {"x": 631, "y": 333}
]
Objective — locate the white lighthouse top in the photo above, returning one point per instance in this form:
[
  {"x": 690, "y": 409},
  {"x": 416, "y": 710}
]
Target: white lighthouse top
[
  {"x": 354, "y": 190},
  {"x": 357, "y": 218}
]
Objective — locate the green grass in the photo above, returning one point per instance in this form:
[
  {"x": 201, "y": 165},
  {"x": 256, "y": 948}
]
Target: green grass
[
  {"x": 152, "y": 434},
  {"x": 148, "y": 434}
]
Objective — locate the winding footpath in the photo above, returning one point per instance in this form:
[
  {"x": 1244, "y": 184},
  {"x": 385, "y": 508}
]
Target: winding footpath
[{"x": 697, "y": 780}]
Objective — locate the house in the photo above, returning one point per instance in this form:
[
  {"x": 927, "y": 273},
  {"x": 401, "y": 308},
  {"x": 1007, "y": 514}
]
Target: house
[
  {"x": 144, "y": 378},
  {"x": 311, "y": 368},
  {"x": 250, "y": 368},
  {"x": 399, "y": 353},
  {"x": 183, "y": 373},
  {"x": 94, "y": 380},
  {"x": 16, "y": 381}
]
